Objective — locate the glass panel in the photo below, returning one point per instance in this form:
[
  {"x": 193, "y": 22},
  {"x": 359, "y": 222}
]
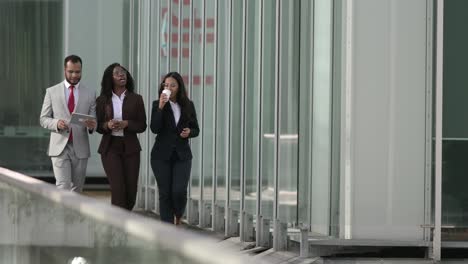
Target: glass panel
[
  {"x": 305, "y": 112},
  {"x": 141, "y": 74},
  {"x": 321, "y": 113},
  {"x": 37, "y": 36},
  {"x": 236, "y": 104},
  {"x": 252, "y": 105},
  {"x": 336, "y": 118},
  {"x": 130, "y": 29},
  {"x": 208, "y": 101},
  {"x": 288, "y": 126},
  {"x": 267, "y": 112},
  {"x": 455, "y": 139},
  {"x": 222, "y": 100},
  {"x": 97, "y": 234},
  {"x": 196, "y": 95},
  {"x": 184, "y": 40},
  {"x": 185, "y": 36},
  {"x": 114, "y": 46},
  {"x": 156, "y": 51},
  {"x": 174, "y": 43},
  {"x": 164, "y": 27},
  {"x": 28, "y": 59}
]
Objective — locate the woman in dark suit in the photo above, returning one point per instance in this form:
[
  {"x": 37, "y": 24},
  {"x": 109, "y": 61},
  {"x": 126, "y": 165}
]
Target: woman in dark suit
[
  {"x": 174, "y": 120},
  {"x": 120, "y": 115}
]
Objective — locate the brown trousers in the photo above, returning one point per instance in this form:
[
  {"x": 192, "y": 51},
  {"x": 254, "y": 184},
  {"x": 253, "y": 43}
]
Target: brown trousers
[{"x": 122, "y": 171}]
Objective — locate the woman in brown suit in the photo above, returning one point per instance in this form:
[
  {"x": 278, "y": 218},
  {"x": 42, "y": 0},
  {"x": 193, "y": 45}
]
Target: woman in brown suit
[{"x": 120, "y": 115}]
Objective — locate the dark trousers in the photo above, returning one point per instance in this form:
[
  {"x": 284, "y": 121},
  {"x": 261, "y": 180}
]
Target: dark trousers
[
  {"x": 122, "y": 171},
  {"x": 172, "y": 177}
]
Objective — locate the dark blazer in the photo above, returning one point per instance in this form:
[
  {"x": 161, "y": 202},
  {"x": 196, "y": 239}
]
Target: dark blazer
[
  {"x": 133, "y": 110},
  {"x": 168, "y": 137}
]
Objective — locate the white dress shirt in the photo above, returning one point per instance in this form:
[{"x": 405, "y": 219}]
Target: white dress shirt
[
  {"x": 117, "y": 104},
  {"x": 67, "y": 92},
  {"x": 176, "y": 110}
]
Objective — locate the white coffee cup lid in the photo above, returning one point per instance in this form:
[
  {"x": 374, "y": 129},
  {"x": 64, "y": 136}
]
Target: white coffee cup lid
[{"x": 167, "y": 92}]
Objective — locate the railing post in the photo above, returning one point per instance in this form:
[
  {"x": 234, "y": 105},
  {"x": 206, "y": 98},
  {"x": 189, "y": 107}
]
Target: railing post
[
  {"x": 232, "y": 227},
  {"x": 280, "y": 236},
  {"x": 247, "y": 234},
  {"x": 304, "y": 237},
  {"x": 263, "y": 233}
]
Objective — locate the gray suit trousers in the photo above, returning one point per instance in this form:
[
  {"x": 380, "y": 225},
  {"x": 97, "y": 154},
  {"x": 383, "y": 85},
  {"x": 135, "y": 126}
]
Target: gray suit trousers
[{"x": 69, "y": 170}]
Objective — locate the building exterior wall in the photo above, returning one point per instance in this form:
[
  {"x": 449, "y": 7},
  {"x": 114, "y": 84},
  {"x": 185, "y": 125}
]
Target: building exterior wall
[{"x": 387, "y": 111}]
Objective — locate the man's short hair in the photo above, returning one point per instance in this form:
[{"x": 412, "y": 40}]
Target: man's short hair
[{"x": 73, "y": 59}]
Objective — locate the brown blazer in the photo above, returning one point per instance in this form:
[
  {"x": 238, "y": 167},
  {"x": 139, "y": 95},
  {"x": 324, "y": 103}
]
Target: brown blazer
[{"x": 133, "y": 110}]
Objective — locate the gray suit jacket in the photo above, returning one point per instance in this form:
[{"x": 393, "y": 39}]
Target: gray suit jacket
[{"x": 55, "y": 108}]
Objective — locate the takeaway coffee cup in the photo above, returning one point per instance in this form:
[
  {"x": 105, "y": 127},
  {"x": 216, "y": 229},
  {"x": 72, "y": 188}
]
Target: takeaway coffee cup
[{"x": 167, "y": 92}]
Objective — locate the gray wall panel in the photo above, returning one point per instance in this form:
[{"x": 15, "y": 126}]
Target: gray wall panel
[{"x": 388, "y": 119}]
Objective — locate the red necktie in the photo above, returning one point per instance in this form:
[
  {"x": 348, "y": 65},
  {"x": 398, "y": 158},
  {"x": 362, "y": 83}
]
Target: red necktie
[{"x": 71, "y": 107}]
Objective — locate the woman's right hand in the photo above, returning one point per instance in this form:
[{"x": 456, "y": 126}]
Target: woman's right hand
[
  {"x": 111, "y": 124},
  {"x": 163, "y": 99}
]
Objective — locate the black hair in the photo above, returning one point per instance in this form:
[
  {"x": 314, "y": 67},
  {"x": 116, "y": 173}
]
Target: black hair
[
  {"x": 107, "y": 83},
  {"x": 73, "y": 59},
  {"x": 181, "y": 96}
]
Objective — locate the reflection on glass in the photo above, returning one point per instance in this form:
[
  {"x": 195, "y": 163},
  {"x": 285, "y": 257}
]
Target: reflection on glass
[
  {"x": 288, "y": 126},
  {"x": 222, "y": 101},
  {"x": 196, "y": 95},
  {"x": 173, "y": 38},
  {"x": 252, "y": 106},
  {"x": 236, "y": 104},
  {"x": 267, "y": 112},
  {"x": 305, "y": 113},
  {"x": 454, "y": 194},
  {"x": 184, "y": 39},
  {"x": 321, "y": 112},
  {"x": 185, "y": 53},
  {"x": 208, "y": 101},
  {"x": 164, "y": 33},
  {"x": 152, "y": 91}
]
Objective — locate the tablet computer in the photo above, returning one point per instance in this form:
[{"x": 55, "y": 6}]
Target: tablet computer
[{"x": 78, "y": 119}]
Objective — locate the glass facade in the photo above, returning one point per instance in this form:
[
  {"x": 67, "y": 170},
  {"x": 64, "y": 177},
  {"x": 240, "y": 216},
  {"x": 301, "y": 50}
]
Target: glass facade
[
  {"x": 454, "y": 129},
  {"x": 37, "y": 35},
  {"x": 31, "y": 48},
  {"x": 251, "y": 68},
  {"x": 246, "y": 64}
]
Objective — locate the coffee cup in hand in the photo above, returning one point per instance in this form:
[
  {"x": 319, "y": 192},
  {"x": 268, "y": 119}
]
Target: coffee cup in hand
[{"x": 167, "y": 92}]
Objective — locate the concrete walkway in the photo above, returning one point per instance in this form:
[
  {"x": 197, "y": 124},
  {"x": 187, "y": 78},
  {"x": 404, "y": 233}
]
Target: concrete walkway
[{"x": 262, "y": 255}]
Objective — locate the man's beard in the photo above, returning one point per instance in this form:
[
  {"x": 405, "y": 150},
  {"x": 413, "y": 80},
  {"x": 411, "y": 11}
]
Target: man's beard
[{"x": 73, "y": 83}]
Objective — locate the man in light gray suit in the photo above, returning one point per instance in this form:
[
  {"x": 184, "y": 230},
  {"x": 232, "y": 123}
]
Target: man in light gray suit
[{"x": 69, "y": 143}]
